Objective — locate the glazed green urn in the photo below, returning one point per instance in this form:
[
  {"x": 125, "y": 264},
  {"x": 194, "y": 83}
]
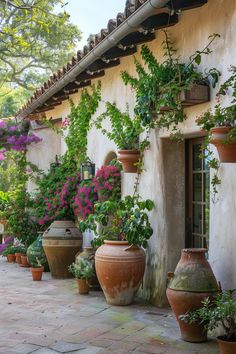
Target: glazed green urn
[{"x": 36, "y": 254}]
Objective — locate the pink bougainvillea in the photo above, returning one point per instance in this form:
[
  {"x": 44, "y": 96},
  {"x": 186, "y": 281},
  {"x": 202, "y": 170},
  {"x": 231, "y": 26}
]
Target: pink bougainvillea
[
  {"x": 107, "y": 182},
  {"x": 84, "y": 200}
]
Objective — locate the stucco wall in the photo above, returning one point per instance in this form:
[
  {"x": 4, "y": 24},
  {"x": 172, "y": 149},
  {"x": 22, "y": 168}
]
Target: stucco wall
[{"x": 163, "y": 180}]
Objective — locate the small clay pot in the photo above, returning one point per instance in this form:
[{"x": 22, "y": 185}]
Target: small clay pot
[
  {"x": 24, "y": 261},
  {"x": 226, "y": 347},
  {"x": 11, "y": 257},
  {"x": 129, "y": 159},
  {"x": 18, "y": 257},
  {"x": 37, "y": 273},
  {"x": 226, "y": 150},
  {"x": 83, "y": 286}
]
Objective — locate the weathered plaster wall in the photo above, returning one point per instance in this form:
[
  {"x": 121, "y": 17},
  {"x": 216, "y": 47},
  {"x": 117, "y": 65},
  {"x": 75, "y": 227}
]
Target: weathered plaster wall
[{"x": 163, "y": 180}]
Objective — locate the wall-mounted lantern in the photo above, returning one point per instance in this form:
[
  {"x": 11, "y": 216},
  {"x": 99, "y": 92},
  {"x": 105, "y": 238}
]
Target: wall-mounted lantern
[{"x": 87, "y": 170}]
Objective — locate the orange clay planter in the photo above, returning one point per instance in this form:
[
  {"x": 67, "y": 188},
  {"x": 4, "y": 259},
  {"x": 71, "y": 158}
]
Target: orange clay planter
[
  {"x": 226, "y": 347},
  {"x": 226, "y": 150},
  {"x": 129, "y": 159},
  {"x": 119, "y": 268},
  {"x": 24, "y": 261},
  {"x": 37, "y": 273},
  {"x": 83, "y": 286},
  {"x": 18, "y": 257},
  {"x": 11, "y": 258}
]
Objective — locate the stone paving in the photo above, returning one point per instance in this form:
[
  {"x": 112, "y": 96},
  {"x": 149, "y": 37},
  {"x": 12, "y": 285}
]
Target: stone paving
[{"x": 51, "y": 317}]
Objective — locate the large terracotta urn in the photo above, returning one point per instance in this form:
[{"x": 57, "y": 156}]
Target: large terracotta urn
[
  {"x": 192, "y": 281},
  {"x": 226, "y": 149},
  {"x": 61, "y": 242},
  {"x": 120, "y": 268}
]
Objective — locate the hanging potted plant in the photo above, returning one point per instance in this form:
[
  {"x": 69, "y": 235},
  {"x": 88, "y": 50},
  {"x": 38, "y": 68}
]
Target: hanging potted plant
[
  {"x": 83, "y": 272},
  {"x": 219, "y": 311},
  {"x": 120, "y": 259},
  {"x": 221, "y": 123},
  {"x": 125, "y": 132},
  {"x": 164, "y": 88}
]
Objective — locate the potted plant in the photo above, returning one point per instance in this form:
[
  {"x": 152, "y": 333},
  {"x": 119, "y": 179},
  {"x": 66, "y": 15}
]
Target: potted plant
[
  {"x": 37, "y": 270},
  {"x": 219, "y": 311},
  {"x": 125, "y": 132},
  {"x": 221, "y": 123},
  {"x": 122, "y": 229},
  {"x": 19, "y": 251},
  {"x": 9, "y": 252},
  {"x": 164, "y": 88},
  {"x": 83, "y": 272}
]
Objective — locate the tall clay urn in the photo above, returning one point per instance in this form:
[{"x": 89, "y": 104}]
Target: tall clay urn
[
  {"x": 120, "y": 269},
  {"x": 61, "y": 242},
  {"x": 192, "y": 282}
]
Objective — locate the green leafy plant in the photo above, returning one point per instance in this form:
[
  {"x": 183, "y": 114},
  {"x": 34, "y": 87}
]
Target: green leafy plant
[
  {"x": 9, "y": 250},
  {"x": 125, "y": 131},
  {"x": 159, "y": 86},
  {"x": 83, "y": 270},
  {"x": 125, "y": 219},
  {"x": 219, "y": 311},
  {"x": 79, "y": 123}
]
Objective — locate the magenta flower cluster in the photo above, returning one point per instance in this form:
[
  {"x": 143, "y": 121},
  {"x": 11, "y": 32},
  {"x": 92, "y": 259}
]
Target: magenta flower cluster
[
  {"x": 12, "y": 137},
  {"x": 84, "y": 200},
  {"x": 107, "y": 182},
  {"x": 59, "y": 203}
]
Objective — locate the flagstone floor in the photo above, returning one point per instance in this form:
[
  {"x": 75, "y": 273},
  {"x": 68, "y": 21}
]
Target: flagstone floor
[{"x": 51, "y": 317}]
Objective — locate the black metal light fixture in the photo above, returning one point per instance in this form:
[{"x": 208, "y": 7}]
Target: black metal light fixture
[
  {"x": 87, "y": 170},
  {"x": 54, "y": 164}
]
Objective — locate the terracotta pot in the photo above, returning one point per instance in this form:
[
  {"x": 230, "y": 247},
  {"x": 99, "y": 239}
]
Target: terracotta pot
[
  {"x": 226, "y": 151},
  {"x": 83, "y": 286},
  {"x": 192, "y": 281},
  {"x": 88, "y": 254},
  {"x": 129, "y": 159},
  {"x": 18, "y": 257},
  {"x": 11, "y": 257},
  {"x": 24, "y": 261},
  {"x": 37, "y": 273},
  {"x": 61, "y": 242},
  {"x": 226, "y": 347},
  {"x": 120, "y": 268}
]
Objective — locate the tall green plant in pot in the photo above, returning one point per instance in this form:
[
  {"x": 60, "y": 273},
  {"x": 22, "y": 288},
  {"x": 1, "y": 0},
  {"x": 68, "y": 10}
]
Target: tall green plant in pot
[
  {"x": 120, "y": 259},
  {"x": 125, "y": 132}
]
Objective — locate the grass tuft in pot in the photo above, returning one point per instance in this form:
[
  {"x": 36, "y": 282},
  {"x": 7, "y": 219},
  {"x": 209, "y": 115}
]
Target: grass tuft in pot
[{"x": 83, "y": 272}]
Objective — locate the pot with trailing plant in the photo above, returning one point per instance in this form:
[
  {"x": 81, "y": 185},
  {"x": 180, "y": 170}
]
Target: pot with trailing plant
[
  {"x": 221, "y": 122},
  {"x": 83, "y": 272},
  {"x": 37, "y": 269},
  {"x": 120, "y": 259},
  {"x": 164, "y": 88},
  {"x": 125, "y": 132},
  {"x": 219, "y": 312}
]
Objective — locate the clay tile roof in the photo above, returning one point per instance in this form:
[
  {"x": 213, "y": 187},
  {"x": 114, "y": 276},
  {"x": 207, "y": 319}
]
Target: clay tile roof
[{"x": 130, "y": 7}]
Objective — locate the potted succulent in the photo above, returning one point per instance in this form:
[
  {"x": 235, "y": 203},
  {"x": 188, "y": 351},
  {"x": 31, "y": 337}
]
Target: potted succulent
[
  {"x": 37, "y": 270},
  {"x": 164, "y": 88},
  {"x": 83, "y": 272},
  {"x": 221, "y": 123},
  {"x": 219, "y": 311},
  {"x": 125, "y": 133},
  {"x": 122, "y": 229}
]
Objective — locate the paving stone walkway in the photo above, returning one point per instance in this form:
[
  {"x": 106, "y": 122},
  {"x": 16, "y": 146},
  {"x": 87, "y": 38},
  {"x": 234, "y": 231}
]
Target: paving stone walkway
[{"x": 51, "y": 317}]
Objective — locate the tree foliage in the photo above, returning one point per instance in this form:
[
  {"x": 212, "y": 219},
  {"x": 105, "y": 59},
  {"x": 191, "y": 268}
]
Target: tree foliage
[{"x": 35, "y": 40}]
